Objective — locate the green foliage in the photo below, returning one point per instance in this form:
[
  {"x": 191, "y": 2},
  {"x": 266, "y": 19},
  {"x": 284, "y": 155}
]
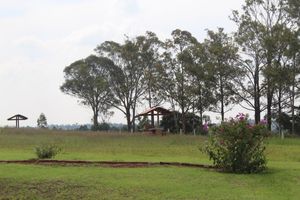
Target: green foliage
[
  {"x": 285, "y": 121},
  {"x": 103, "y": 126},
  {"x": 192, "y": 122},
  {"x": 143, "y": 123},
  {"x": 83, "y": 128},
  {"x": 238, "y": 147},
  {"x": 47, "y": 151}
]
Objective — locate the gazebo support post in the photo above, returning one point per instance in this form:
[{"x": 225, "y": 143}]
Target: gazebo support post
[
  {"x": 17, "y": 122},
  {"x": 152, "y": 118},
  {"x": 157, "y": 120}
]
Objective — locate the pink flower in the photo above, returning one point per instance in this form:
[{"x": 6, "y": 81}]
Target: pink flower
[
  {"x": 241, "y": 116},
  {"x": 205, "y": 127}
]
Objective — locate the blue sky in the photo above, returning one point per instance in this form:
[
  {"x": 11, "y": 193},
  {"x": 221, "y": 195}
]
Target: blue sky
[{"x": 40, "y": 37}]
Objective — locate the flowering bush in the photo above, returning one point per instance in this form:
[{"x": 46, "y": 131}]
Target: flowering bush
[{"x": 236, "y": 146}]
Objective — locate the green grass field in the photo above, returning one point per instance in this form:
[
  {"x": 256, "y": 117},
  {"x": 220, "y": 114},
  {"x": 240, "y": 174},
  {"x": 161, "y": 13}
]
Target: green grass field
[{"x": 280, "y": 181}]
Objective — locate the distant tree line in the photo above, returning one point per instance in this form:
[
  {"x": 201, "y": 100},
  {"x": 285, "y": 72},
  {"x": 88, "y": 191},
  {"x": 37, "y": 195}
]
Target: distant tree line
[{"x": 256, "y": 67}]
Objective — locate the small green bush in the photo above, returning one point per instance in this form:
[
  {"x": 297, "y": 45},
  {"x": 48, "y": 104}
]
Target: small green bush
[
  {"x": 238, "y": 147},
  {"x": 47, "y": 151}
]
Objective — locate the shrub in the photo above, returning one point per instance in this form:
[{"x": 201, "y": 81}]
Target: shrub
[
  {"x": 238, "y": 147},
  {"x": 47, "y": 151}
]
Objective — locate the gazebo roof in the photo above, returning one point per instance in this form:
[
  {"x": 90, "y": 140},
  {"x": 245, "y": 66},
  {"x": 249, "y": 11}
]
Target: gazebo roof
[
  {"x": 159, "y": 111},
  {"x": 17, "y": 117}
]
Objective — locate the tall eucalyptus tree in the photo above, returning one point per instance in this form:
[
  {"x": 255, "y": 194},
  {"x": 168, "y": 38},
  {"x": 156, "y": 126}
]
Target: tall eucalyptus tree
[
  {"x": 176, "y": 82},
  {"x": 125, "y": 76},
  {"x": 222, "y": 58},
  {"x": 86, "y": 80}
]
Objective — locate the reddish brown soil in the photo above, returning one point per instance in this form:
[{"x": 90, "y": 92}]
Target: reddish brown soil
[{"x": 115, "y": 164}]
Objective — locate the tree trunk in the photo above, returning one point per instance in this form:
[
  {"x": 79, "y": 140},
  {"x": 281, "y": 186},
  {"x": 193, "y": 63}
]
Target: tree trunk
[
  {"x": 293, "y": 96},
  {"x": 222, "y": 99},
  {"x": 194, "y": 131},
  {"x": 174, "y": 116},
  {"x": 183, "y": 118},
  {"x": 269, "y": 107},
  {"x": 200, "y": 108},
  {"x": 128, "y": 118},
  {"x": 95, "y": 119},
  {"x": 256, "y": 94},
  {"x": 279, "y": 112},
  {"x": 201, "y": 117},
  {"x": 293, "y": 112},
  {"x": 133, "y": 119},
  {"x": 269, "y": 93},
  {"x": 150, "y": 97}
]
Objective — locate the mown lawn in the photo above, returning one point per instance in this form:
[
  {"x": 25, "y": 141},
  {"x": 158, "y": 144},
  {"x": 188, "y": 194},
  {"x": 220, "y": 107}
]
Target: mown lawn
[{"x": 280, "y": 181}]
